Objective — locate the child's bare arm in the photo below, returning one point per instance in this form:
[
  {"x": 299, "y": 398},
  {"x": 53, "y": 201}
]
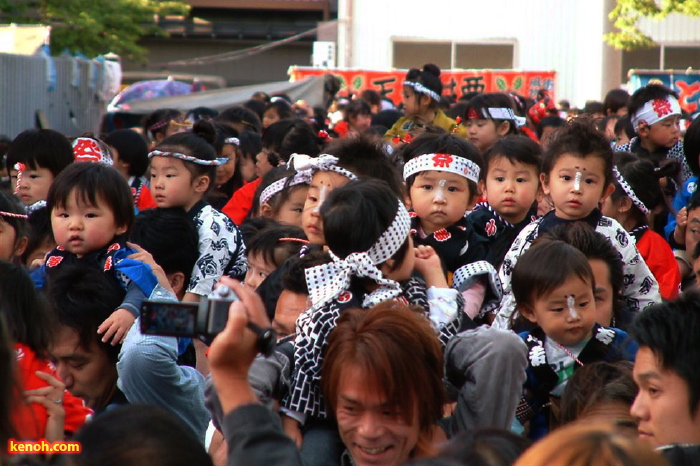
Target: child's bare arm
[
  {"x": 681, "y": 223},
  {"x": 429, "y": 265}
]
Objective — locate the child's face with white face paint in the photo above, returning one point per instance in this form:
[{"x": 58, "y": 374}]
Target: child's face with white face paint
[
  {"x": 439, "y": 199},
  {"x": 566, "y": 314},
  {"x": 576, "y": 185},
  {"x": 322, "y": 183}
]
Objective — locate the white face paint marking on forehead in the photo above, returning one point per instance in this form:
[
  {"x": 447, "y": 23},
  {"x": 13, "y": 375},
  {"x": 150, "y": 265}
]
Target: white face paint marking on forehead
[
  {"x": 571, "y": 304},
  {"x": 577, "y": 180},
  {"x": 322, "y": 195},
  {"x": 440, "y": 191}
]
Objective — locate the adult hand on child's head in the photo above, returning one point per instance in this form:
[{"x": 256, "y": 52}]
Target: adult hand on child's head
[
  {"x": 144, "y": 256},
  {"x": 116, "y": 326},
  {"x": 51, "y": 398},
  {"x": 233, "y": 350},
  {"x": 681, "y": 224}
]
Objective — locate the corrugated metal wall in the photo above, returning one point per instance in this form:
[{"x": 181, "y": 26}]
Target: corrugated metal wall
[{"x": 69, "y": 108}]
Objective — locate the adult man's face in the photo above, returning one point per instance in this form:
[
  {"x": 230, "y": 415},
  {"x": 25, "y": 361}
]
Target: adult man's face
[
  {"x": 662, "y": 405},
  {"x": 87, "y": 373}
]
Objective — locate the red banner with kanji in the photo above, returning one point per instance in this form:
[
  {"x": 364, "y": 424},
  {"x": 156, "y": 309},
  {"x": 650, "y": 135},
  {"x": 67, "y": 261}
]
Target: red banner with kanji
[{"x": 459, "y": 82}]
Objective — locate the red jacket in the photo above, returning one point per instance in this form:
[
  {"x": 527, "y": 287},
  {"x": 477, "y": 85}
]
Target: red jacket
[
  {"x": 660, "y": 260},
  {"x": 29, "y": 420},
  {"x": 241, "y": 202}
]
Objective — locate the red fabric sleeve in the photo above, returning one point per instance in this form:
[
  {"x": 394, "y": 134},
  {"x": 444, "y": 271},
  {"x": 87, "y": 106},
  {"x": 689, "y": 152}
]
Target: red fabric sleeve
[
  {"x": 146, "y": 200},
  {"x": 30, "y": 420},
  {"x": 241, "y": 202},
  {"x": 660, "y": 259}
]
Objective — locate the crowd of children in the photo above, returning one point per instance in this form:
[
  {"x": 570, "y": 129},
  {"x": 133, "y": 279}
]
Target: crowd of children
[{"x": 529, "y": 242}]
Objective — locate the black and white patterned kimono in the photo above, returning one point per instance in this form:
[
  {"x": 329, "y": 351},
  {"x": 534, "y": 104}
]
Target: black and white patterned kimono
[
  {"x": 314, "y": 326},
  {"x": 221, "y": 249},
  {"x": 674, "y": 153},
  {"x": 498, "y": 232},
  {"x": 639, "y": 289}
]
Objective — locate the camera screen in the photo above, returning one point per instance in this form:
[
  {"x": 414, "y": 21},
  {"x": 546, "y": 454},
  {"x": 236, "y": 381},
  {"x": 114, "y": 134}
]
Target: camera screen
[{"x": 176, "y": 319}]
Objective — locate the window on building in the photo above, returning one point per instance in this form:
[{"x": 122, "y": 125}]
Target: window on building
[
  {"x": 447, "y": 55},
  {"x": 663, "y": 57}
]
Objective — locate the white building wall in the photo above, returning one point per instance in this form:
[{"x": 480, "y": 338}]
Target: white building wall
[
  {"x": 672, "y": 30},
  {"x": 560, "y": 35}
]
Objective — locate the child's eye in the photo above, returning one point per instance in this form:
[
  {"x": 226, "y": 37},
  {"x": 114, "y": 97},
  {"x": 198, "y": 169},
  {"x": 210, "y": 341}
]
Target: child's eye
[
  {"x": 453, "y": 189},
  {"x": 500, "y": 179},
  {"x": 590, "y": 181},
  {"x": 298, "y": 210},
  {"x": 566, "y": 177},
  {"x": 91, "y": 215},
  {"x": 558, "y": 309},
  {"x": 427, "y": 187},
  {"x": 584, "y": 304},
  {"x": 520, "y": 180}
]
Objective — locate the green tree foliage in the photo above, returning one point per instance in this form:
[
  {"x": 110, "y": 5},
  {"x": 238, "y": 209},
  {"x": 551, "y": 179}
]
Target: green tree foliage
[
  {"x": 627, "y": 13},
  {"x": 94, "y": 27}
]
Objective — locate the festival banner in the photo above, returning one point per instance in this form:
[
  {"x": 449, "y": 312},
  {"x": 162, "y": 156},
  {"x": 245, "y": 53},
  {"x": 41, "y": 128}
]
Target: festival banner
[
  {"x": 457, "y": 82},
  {"x": 686, "y": 83}
]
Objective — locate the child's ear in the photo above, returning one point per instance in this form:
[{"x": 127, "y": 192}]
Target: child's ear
[
  {"x": 502, "y": 128},
  {"x": 482, "y": 187},
  {"x": 625, "y": 204},
  {"x": 407, "y": 201},
  {"x": 543, "y": 183},
  {"x": 527, "y": 313},
  {"x": 643, "y": 129},
  {"x": 177, "y": 282},
  {"x": 607, "y": 192},
  {"x": 201, "y": 184},
  {"x": 20, "y": 246},
  {"x": 121, "y": 230},
  {"x": 266, "y": 210}
]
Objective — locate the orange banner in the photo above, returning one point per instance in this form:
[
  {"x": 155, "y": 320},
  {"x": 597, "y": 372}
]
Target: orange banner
[{"x": 388, "y": 83}]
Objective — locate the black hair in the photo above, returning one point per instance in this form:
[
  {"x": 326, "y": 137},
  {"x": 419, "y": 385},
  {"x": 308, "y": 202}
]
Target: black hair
[
  {"x": 371, "y": 96},
  {"x": 592, "y": 107},
  {"x": 370, "y": 204},
  {"x": 170, "y": 237},
  {"x": 81, "y": 300},
  {"x": 256, "y": 106},
  {"x": 643, "y": 178},
  {"x": 240, "y": 115},
  {"x": 482, "y": 102},
  {"x": 251, "y": 144},
  {"x": 519, "y": 149},
  {"x": 357, "y": 107},
  {"x": 132, "y": 149},
  {"x": 25, "y": 310},
  {"x": 691, "y": 146},
  {"x": 294, "y": 272},
  {"x": 457, "y": 110},
  {"x": 157, "y": 122},
  {"x": 282, "y": 107},
  {"x": 580, "y": 138},
  {"x": 595, "y": 245},
  {"x": 625, "y": 124},
  {"x": 386, "y": 118},
  {"x": 286, "y": 137},
  {"x": 252, "y": 225},
  {"x": 198, "y": 143},
  {"x": 429, "y": 77},
  {"x": 364, "y": 157},
  {"x": 614, "y": 100},
  {"x": 268, "y": 243},
  {"x": 92, "y": 181},
  {"x": 201, "y": 113},
  {"x": 443, "y": 143},
  {"x": 670, "y": 330},
  {"x": 531, "y": 281},
  {"x": 551, "y": 121},
  {"x": 278, "y": 199},
  {"x": 644, "y": 94},
  {"x": 484, "y": 447},
  {"x": 10, "y": 205},
  {"x": 38, "y": 233},
  {"x": 594, "y": 383},
  {"x": 138, "y": 435},
  {"x": 40, "y": 148}
]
